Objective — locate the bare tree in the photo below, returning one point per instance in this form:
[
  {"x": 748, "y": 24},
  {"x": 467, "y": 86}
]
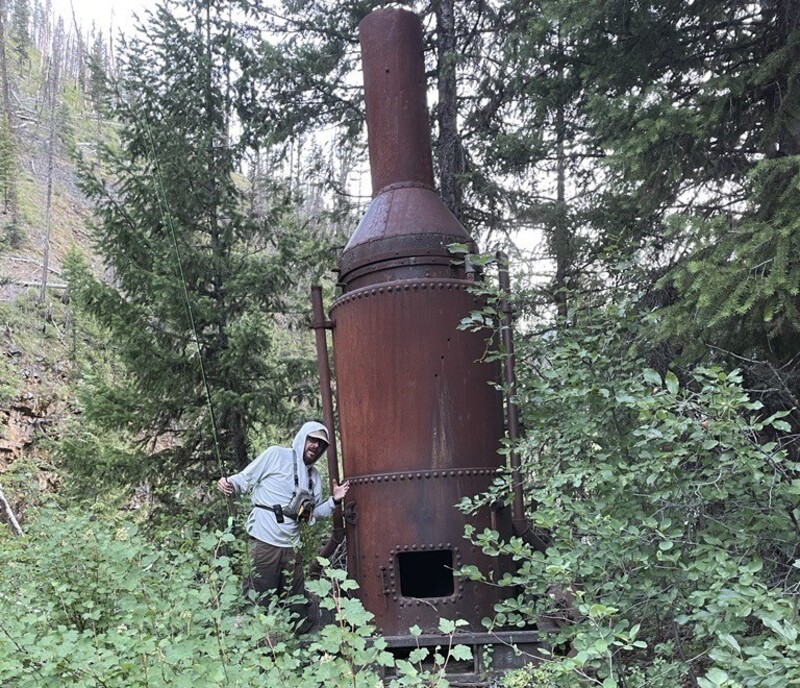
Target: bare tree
[
  {"x": 53, "y": 87},
  {"x": 10, "y": 514},
  {"x": 11, "y": 203}
]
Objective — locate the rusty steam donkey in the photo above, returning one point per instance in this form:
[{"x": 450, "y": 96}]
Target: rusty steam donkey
[{"x": 420, "y": 420}]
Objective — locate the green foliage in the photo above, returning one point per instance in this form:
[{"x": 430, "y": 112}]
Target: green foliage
[
  {"x": 672, "y": 514},
  {"x": 661, "y": 134},
  {"x": 20, "y": 32},
  {"x": 201, "y": 279},
  {"x": 86, "y": 600},
  {"x": 702, "y": 163},
  {"x": 739, "y": 289},
  {"x": 98, "y": 64},
  {"x": 12, "y": 231}
]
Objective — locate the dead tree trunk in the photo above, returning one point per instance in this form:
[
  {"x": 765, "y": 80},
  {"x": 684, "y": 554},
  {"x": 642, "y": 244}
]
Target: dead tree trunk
[
  {"x": 11, "y": 201},
  {"x": 51, "y": 144},
  {"x": 12, "y": 519}
]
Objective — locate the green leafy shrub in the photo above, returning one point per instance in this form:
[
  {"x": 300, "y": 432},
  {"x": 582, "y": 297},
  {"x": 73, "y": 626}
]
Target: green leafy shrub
[
  {"x": 672, "y": 511},
  {"x": 87, "y": 601}
]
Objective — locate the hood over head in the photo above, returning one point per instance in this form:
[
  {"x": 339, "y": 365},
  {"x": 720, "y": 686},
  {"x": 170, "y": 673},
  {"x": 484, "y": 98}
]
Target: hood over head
[{"x": 311, "y": 427}]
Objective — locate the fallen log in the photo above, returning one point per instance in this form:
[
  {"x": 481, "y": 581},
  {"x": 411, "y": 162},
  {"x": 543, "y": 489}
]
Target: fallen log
[{"x": 10, "y": 514}]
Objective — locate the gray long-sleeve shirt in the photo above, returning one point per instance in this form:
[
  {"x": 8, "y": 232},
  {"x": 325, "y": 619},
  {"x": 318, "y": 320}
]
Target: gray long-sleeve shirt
[{"x": 270, "y": 480}]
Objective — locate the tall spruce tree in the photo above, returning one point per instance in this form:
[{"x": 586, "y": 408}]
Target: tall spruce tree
[
  {"x": 20, "y": 30},
  {"x": 692, "y": 111},
  {"x": 199, "y": 275}
]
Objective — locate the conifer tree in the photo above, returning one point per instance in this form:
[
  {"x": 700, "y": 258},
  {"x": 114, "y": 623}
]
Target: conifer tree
[
  {"x": 200, "y": 277},
  {"x": 20, "y": 29},
  {"x": 691, "y": 110},
  {"x": 12, "y": 232}
]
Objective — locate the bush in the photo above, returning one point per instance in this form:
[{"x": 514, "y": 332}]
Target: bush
[
  {"x": 87, "y": 601},
  {"x": 672, "y": 510}
]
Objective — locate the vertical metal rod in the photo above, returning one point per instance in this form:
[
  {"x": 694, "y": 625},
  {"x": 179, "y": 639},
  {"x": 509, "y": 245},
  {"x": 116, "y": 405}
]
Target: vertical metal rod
[
  {"x": 319, "y": 325},
  {"x": 522, "y": 527},
  {"x": 510, "y": 379}
]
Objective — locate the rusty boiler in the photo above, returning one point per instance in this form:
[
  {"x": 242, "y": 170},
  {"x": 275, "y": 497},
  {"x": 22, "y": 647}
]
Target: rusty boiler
[{"x": 420, "y": 421}]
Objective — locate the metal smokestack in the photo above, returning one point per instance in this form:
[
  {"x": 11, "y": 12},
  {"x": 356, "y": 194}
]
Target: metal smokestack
[
  {"x": 406, "y": 219},
  {"x": 420, "y": 419},
  {"x": 394, "y": 88}
]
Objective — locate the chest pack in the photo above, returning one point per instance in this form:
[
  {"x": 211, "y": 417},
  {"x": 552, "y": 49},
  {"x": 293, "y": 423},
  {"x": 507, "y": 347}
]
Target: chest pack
[{"x": 301, "y": 504}]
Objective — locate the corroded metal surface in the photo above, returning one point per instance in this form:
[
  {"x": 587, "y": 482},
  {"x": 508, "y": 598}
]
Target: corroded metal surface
[
  {"x": 420, "y": 415},
  {"x": 394, "y": 91},
  {"x": 406, "y": 218},
  {"x": 320, "y": 325},
  {"x": 420, "y": 429},
  {"x": 413, "y": 394},
  {"x": 410, "y": 226}
]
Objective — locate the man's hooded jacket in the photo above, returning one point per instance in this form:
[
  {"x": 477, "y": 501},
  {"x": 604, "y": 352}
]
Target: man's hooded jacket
[{"x": 270, "y": 478}]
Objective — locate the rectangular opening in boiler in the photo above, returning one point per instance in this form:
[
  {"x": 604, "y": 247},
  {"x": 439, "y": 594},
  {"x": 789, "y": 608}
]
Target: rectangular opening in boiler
[{"x": 426, "y": 574}]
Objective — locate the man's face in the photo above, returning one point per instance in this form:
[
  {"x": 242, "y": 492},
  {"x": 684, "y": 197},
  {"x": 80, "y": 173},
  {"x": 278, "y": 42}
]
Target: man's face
[{"x": 313, "y": 450}]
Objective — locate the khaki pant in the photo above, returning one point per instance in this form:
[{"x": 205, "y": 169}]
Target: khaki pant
[{"x": 279, "y": 570}]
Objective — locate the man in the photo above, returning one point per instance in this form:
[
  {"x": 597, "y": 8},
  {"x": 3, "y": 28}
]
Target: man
[{"x": 276, "y": 481}]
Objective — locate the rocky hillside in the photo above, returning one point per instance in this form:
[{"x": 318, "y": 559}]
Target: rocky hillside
[{"x": 37, "y": 338}]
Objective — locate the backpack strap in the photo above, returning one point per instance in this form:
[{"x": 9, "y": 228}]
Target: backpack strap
[{"x": 308, "y": 473}]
